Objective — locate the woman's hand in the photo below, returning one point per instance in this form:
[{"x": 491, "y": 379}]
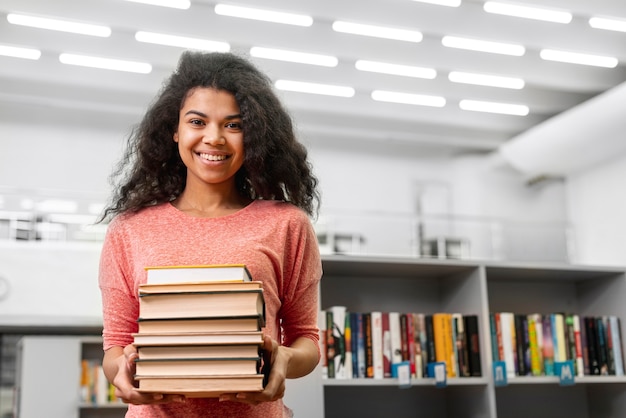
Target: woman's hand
[{"x": 119, "y": 367}]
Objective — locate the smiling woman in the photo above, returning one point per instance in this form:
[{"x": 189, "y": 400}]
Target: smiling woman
[{"x": 214, "y": 175}]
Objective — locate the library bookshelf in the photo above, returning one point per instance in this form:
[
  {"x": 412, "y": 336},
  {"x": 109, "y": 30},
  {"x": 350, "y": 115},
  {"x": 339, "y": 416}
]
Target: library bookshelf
[{"x": 367, "y": 283}]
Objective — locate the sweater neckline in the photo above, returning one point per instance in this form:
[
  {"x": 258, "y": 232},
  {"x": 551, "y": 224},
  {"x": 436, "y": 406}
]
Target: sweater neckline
[{"x": 180, "y": 214}]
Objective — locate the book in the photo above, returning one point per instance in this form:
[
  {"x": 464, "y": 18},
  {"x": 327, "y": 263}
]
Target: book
[
  {"x": 348, "y": 337},
  {"x": 338, "y": 326},
  {"x": 222, "y": 366},
  {"x": 360, "y": 345},
  {"x": 534, "y": 344},
  {"x": 508, "y": 342},
  {"x": 473, "y": 345},
  {"x": 201, "y": 324},
  {"x": 387, "y": 356},
  {"x": 369, "y": 342},
  {"x": 377, "y": 344},
  {"x": 419, "y": 326},
  {"x": 198, "y": 351},
  {"x": 548, "y": 346},
  {"x": 580, "y": 364},
  {"x": 442, "y": 331},
  {"x": 199, "y": 338},
  {"x": 200, "y": 386},
  {"x": 331, "y": 346},
  {"x": 617, "y": 344},
  {"x": 592, "y": 345},
  {"x": 195, "y": 273},
  {"x": 395, "y": 333},
  {"x": 218, "y": 303},
  {"x": 461, "y": 341},
  {"x": 198, "y": 286}
]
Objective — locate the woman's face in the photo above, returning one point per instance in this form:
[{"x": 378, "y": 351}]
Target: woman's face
[{"x": 210, "y": 136}]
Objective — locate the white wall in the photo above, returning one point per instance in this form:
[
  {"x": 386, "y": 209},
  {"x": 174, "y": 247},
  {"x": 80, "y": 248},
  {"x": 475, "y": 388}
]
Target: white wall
[{"x": 596, "y": 200}]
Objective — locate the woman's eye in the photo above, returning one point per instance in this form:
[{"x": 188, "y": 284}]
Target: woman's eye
[
  {"x": 196, "y": 122},
  {"x": 233, "y": 125}
]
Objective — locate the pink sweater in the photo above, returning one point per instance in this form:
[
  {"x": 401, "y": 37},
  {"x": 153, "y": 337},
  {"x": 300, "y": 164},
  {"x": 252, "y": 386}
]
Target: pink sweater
[{"x": 275, "y": 240}]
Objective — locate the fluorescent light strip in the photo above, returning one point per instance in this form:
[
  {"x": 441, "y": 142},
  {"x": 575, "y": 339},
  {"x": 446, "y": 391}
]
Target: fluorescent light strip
[
  {"x": 175, "y": 4},
  {"x": 486, "y": 80},
  {"x": 492, "y": 107},
  {"x": 59, "y": 25},
  {"x": 181, "y": 41},
  {"x": 528, "y": 12},
  {"x": 618, "y": 25},
  {"x": 105, "y": 63},
  {"x": 395, "y": 69},
  {"x": 265, "y": 15},
  {"x": 483, "y": 46},
  {"x": 408, "y": 98},
  {"x": 449, "y": 3},
  {"x": 377, "y": 31},
  {"x": 17, "y": 52},
  {"x": 578, "y": 58},
  {"x": 314, "y": 88},
  {"x": 293, "y": 56}
]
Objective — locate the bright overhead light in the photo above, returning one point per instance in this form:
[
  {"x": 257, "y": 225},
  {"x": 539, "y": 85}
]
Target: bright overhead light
[
  {"x": 607, "y": 23},
  {"x": 265, "y": 15},
  {"x": 314, "y": 88},
  {"x": 486, "y": 80},
  {"x": 449, "y": 3},
  {"x": 17, "y": 52},
  {"x": 59, "y": 25},
  {"x": 175, "y": 4},
  {"x": 483, "y": 46},
  {"x": 293, "y": 56},
  {"x": 181, "y": 41},
  {"x": 57, "y": 205},
  {"x": 578, "y": 58},
  {"x": 528, "y": 12},
  {"x": 395, "y": 69},
  {"x": 408, "y": 98},
  {"x": 492, "y": 107},
  {"x": 377, "y": 31},
  {"x": 105, "y": 63}
]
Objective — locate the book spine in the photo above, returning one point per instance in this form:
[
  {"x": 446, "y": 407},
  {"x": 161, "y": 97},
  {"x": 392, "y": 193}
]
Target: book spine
[
  {"x": 495, "y": 355},
  {"x": 338, "y": 331},
  {"x": 348, "y": 337},
  {"x": 387, "y": 346},
  {"x": 592, "y": 339},
  {"x": 473, "y": 345},
  {"x": 508, "y": 347},
  {"x": 533, "y": 345},
  {"x": 410, "y": 338},
  {"x": 601, "y": 347},
  {"x": 584, "y": 343},
  {"x": 617, "y": 345},
  {"x": 377, "y": 344},
  {"x": 580, "y": 364},
  {"x": 421, "y": 358},
  {"x": 330, "y": 345},
  {"x": 430, "y": 340},
  {"x": 548, "y": 346},
  {"x": 369, "y": 342}
]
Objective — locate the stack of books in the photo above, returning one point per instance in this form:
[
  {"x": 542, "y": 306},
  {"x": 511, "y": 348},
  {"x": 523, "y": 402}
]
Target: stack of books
[{"x": 200, "y": 331}]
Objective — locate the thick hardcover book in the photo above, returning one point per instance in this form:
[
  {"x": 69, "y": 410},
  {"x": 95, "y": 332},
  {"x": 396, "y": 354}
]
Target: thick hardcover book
[
  {"x": 182, "y": 287},
  {"x": 218, "y": 303},
  {"x": 199, "y": 338},
  {"x": 223, "y": 366},
  {"x": 444, "y": 351},
  {"x": 201, "y": 386},
  {"x": 198, "y": 351},
  {"x": 194, "y": 273},
  {"x": 231, "y": 323},
  {"x": 473, "y": 345}
]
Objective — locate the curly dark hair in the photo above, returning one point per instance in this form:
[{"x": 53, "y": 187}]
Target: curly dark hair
[{"x": 275, "y": 164}]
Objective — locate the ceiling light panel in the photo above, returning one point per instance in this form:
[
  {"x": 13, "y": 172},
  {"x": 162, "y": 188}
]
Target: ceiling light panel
[
  {"x": 408, "y": 98},
  {"x": 314, "y": 88},
  {"x": 395, "y": 69},
  {"x": 264, "y": 15},
  {"x": 483, "y": 46},
  {"x": 606, "y": 23},
  {"x": 105, "y": 63},
  {"x": 578, "y": 58},
  {"x": 528, "y": 12},
  {"x": 294, "y": 56},
  {"x": 486, "y": 80},
  {"x": 175, "y": 4},
  {"x": 59, "y": 25},
  {"x": 492, "y": 107},
  {"x": 18, "y": 52},
  {"x": 377, "y": 31},
  {"x": 182, "y": 41}
]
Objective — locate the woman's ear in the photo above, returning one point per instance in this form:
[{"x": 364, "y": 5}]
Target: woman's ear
[{"x": 175, "y": 136}]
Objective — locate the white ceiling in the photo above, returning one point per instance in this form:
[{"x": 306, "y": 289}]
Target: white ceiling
[{"x": 108, "y": 97}]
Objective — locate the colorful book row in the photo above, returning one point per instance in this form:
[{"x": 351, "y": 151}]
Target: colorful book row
[
  {"x": 531, "y": 344},
  {"x": 369, "y": 344}
]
